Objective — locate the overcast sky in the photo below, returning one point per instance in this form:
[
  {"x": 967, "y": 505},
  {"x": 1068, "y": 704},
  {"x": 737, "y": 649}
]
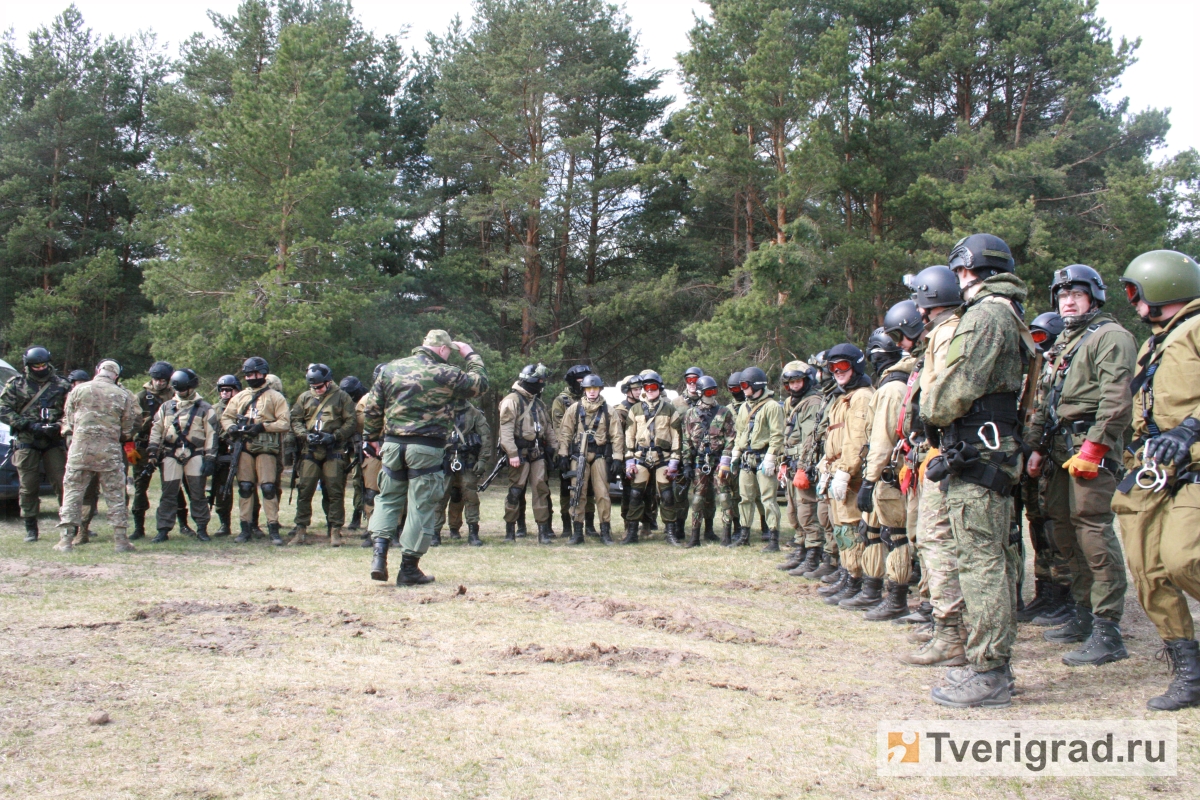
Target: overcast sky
[{"x": 1167, "y": 74}]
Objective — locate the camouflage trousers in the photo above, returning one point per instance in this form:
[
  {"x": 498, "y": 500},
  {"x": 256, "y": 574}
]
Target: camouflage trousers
[
  {"x": 826, "y": 522},
  {"x": 939, "y": 557},
  {"x": 803, "y": 517},
  {"x": 707, "y": 496},
  {"x": 112, "y": 487},
  {"x": 30, "y": 463},
  {"x": 460, "y": 499}
]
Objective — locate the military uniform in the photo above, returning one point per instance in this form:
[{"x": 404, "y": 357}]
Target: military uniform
[
  {"x": 652, "y": 440},
  {"x": 33, "y": 409},
  {"x": 801, "y": 415},
  {"x": 98, "y": 415},
  {"x": 592, "y": 436},
  {"x": 258, "y": 467},
  {"x": 527, "y": 432},
  {"x": 222, "y": 500},
  {"x": 621, "y": 412},
  {"x": 470, "y": 439},
  {"x": 758, "y": 445},
  {"x": 319, "y": 417},
  {"x": 814, "y": 459},
  {"x": 683, "y": 402},
  {"x": 149, "y": 402},
  {"x": 709, "y": 433},
  {"x": 558, "y": 411},
  {"x": 845, "y": 449},
  {"x": 371, "y": 463},
  {"x": 183, "y": 435}
]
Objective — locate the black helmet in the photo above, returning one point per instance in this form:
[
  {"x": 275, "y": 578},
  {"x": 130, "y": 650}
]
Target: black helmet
[
  {"x": 184, "y": 379},
  {"x": 882, "y": 350},
  {"x": 592, "y": 379},
  {"x": 754, "y": 378},
  {"x": 531, "y": 374},
  {"x": 255, "y": 364},
  {"x": 229, "y": 382},
  {"x": 352, "y": 386},
  {"x": 690, "y": 371},
  {"x": 983, "y": 254},
  {"x": 318, "y": 374},
  {"x": 904, "y": 318},
  {"x": 1045, "y": 328},
  {"x": 734, "y": 381},
  {"x": 161, "y": 371},
  {"x": 847, "y": 352},
  {"x": 36, "y": 356},
  {"x": 649, "y": 376},
  {"x": 706, "y": 384},
  {"x": 575, "y": 375},
  {"x": 629, "y": 383},
  {"x": 1082, "y": 276},
  {"x": 934, "y": 287},
  {"x": 78, "y": 375}
]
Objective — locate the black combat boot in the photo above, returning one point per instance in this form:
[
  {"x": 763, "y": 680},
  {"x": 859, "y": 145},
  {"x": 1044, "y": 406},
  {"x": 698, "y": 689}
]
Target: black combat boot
[
  {"x": 812, "y": 560},
  {"x": 473, "y": 539},
  {"x": 1076, "y": 629},
  {"x": 202, "y": 532},
  {"x": 631, "y": 531},
  {"x": 914, "y": 579},
  {"x": 545, "y": 533},
  {"x": 161, "y": 537},
  {"x": 31, "y": 529},
  {"x": 410, "y": 574},
  {"x": 576, "y": 533},
  {"x": 772, "y": 545},
  {"x": 436, "y": 539},
  {"x": 184, "y": 528},
  {"x": 840, "y": 576},
  {"x": 606, "y": 533},
  {"x": 590, "y": 519},
  {"x": 894, "y": 605},
  {"x": 1058, "y": 607},
  {"x": 273, "y": 532},
  {"x": 694, "y": 541},
  {"x": 1103, "y": 646},
  {"x": 921, "y": 616},
  {"x": 139, "y": 526},
  {"x": 566, "y": 523},
  {"x": 743, "y": 539},
  {"x": 849, "y": 589},
  {"x": 379, "y": 560},
  {"x": 224, "y": 529},
  {"x": 510, "y": 531},
  {"x": 355, "y": 521},
  {"x": 727, "y": 535},
  {"x": 868, "y": 596},
  {"x": 1183, "y": 657},
  {"x": 454, "y": 533},
  {"x": 833, "y": 576},
  {"x": 709, "y": 536},
  {"x": 671, "y": 529},
  {"x": 522, "y": 531},
  {"x": 244, "y": 536},
  {"x": 1041, "y": 596}
]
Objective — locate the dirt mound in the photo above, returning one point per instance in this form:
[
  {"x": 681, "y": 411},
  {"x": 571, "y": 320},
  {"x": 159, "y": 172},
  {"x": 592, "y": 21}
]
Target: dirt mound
[
  {"x": 22, "y": 569},
  {"x": 184, "y": 608},
  {"x": 680, "y": 622},
  {"x": 607, "y": 655}
]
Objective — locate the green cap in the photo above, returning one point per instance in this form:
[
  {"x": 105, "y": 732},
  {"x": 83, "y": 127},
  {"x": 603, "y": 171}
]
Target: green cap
[
  {"x": 436, "y": 338},
  {"x": 1162, "y": 276}
]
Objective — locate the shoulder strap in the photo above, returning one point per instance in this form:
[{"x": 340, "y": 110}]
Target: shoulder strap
[{"x": 33, "y": 400}]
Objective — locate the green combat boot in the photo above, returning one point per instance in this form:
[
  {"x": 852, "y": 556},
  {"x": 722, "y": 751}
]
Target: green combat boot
[
  {"x": 1103, "y": 646},
  {"x": 1183, "y": 656},
  {"x": 31, "y": 529},
  {"x": 473, "y": 539},
  {"x": 379, "y": 569}
]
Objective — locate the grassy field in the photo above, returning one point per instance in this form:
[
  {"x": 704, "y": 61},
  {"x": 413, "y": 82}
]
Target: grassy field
[{"x": 251, "y": 671}]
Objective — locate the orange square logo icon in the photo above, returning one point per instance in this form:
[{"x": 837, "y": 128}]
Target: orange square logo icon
[{"x": 903, "y": 748}]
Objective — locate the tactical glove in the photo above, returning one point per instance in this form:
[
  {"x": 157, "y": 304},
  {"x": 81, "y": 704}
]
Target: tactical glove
[
  {"x": 866, "y": 500},
  {"x": 1086, "y": 465},
  {"x": 208, "y": 466},
  {"x": 1172, "y": 446},
  {"x": 672, "y": 468},
  {"x": 328, "y": 440},
  {"x": 801, "y": 480},
  {"x": 255, "y": 429},
  {"x": 630, "y": 467},
  {"x": 823, "y": 483},
  {"x": 768, "y": 465},
  {"x": 839, "y": 485}
]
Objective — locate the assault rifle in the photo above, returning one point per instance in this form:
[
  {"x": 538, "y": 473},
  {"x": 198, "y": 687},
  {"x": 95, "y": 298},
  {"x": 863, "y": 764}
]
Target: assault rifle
[
  {"x": 237, "y": 432},
  {"x": 500, "y": 462}
]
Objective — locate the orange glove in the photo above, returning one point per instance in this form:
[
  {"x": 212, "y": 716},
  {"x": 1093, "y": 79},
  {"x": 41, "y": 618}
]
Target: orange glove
[
  {"x": 905, "y": 472},
  {"x": 1086, "y": 465},
  {"x": 800, "y": 481},
  {"x": 932, "y": 454},
  {"x": 132, "y": 456}
]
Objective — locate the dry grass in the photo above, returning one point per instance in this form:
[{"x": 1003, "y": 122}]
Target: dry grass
[{"x": 525, "y": 671}]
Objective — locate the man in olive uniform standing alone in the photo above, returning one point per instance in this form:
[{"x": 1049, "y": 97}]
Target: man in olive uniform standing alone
[
  {"x": 32, "y": 407},
  {"x": 527, "y": 436},
  {"x": 323, "y": 422},
  {"x": 1081, "y": 420}
]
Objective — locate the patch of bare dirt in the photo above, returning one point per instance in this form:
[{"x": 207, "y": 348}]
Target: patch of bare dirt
[
  {"x": 22, "y": 569},
  {"x": 680, "y": 622},
  {"x": 605, "y": 655},
  {"x": 183, "y": 608}
]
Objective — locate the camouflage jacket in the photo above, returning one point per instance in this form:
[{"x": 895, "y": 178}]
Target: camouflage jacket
[
  {"x": 800, "y": 417},
  {"x": 201, "y": 428},
  {"x": 335, "y": 412},
  {"x": 150, "y": 402},
  {"x": 708, "y": 433},
  {"x": 525, "y": 421},
  {"x": 415, "y": 396},
  {"x": 471, "y": 437},
  {"x": 18, "y": 393},
  {"x": 98, "y": 415},
  {"x": 653, "y": 426},
  {"x": 597, "y": 418}
]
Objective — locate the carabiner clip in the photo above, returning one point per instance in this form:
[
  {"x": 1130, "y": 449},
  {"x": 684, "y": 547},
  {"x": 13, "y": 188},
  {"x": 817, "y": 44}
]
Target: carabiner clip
[
  {"x": 983, "y": 435},
  {"x": 456, "y": 465},
  {"x": 1151, "y": 477}
]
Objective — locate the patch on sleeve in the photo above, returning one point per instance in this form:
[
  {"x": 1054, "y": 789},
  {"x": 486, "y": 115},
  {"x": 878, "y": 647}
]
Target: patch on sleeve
[{"x": 955, "y": 350}]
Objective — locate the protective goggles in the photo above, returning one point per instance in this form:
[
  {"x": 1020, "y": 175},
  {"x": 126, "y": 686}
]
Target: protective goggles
[
  {"x": 1039, "y": 336},
  {"x": 690, "y": 379},
  {"x": 710, "y": 392},
  {"x": 840, "y": 366}
]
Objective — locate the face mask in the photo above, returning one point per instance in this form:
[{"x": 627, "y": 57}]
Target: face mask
[
  {"x": 256, "y": 383},
  {"x": 708, "y": 401},
  {"x": 533, "y": 388},
  {"x": 40, "y": 370}
]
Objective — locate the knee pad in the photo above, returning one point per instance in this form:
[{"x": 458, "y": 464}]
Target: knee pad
[
  {"x": 369, "y": 496},
  {"x": 245, "y": 488},
  {"x": 268, "y": 490},
  {"x": 455, "y": 494},
  {"x": 667, "y": 495},
  {"x": 515, "y": 495},
  {"x": 636, "y": 496}
]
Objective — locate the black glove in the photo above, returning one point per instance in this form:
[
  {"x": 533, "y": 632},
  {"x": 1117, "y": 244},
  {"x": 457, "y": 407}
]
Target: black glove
[
  {"x": 1172, "y": 446},
  {"x": 255, "y": 429},
  {"x": 328, "y": 440},
  {"x": 22, "y": 425},
  {"x": 865, "y": 500},
  {"x": 564, "y": 463},
  {"x": 689, "y": 470},
  {"x": 208, "y": 466}
]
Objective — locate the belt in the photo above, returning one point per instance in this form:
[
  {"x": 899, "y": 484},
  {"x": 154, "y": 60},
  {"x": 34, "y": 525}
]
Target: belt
[{"x": 427, "y": 441}]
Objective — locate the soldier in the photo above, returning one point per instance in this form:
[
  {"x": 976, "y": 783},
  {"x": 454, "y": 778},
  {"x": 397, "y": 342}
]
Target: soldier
[
  {"x": 758, "y": 449},
  {"x": 1158, "y": 501},
  {"x": 973, "y": 406},
  {"x": 97, "y": 417},
  {"x": 91, "y": 495},
  {"x": 183, "y": 439},
  {"x": 32, "y": 407},
  {"x": 687, "y": 399},
  {"x": 590, "y": 440},
  {"x": 631, "y": 387},
  {"x": 323, "y": 422},
  {"x": 880, "y": 497},
  {"x": 371, "y": 463},
  {"x": 571, "y": 393},
  {"x": 842, "y": 468},
  {"x": 155, "y": 392},
  {"x": 813, "y": 457},
  {"x": 352, "y": 386},
  {"x": 227, "y": 387},
  {"x": 527, "y": 435},
  {"x": 801, "y": 411},
  {"x": 411, "y": 406},
  {"x": 470, "y": 439},
  {"x": 709, "y": 432},
  {"x": 652, "y": 453},
  {"x": 1086, "y": 407},
  {"x": 258, "y": 416}
]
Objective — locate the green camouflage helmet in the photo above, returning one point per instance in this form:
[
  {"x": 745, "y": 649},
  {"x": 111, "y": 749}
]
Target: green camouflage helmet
[{"x": 1160, "y": 277}]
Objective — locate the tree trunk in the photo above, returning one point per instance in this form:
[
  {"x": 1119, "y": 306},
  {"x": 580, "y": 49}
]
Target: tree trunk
[
  {"x": 564, "y": 246},
  {"x": 533, "y": 276}
]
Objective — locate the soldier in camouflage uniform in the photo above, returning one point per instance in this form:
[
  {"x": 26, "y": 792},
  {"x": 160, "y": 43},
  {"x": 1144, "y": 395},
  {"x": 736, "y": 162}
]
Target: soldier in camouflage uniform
[
  {"x": 801, "y": 411},
  {"x": 652, "y": 453},
  {"x": 709, "y": 431},
  {"x": 687, "y": 399},
  {"x": 97, "y": 416},
  {"x": 323, "y": 421},
  {"x": 227, "y": 387},
  {"x": 590, "y": 441},
  {"x": 32, "y": 406},
  {"x": 183, "y": 440},
  {"x": 91, "y": 495},
  {"x": 974, "y": 406},
  {"x": 813, "y": 457},
  {"x": 465, "y": 465},
  {"x": 528, "y": 437},
  {"x": 411, "y": 406},
  {"x": 371, "y": 463},
  {"x": 155, "y": 392},
  {"x": 571, "y": 394},
  {"x": 631, "y": 387},
  {"x": 758, "y": 452}
]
